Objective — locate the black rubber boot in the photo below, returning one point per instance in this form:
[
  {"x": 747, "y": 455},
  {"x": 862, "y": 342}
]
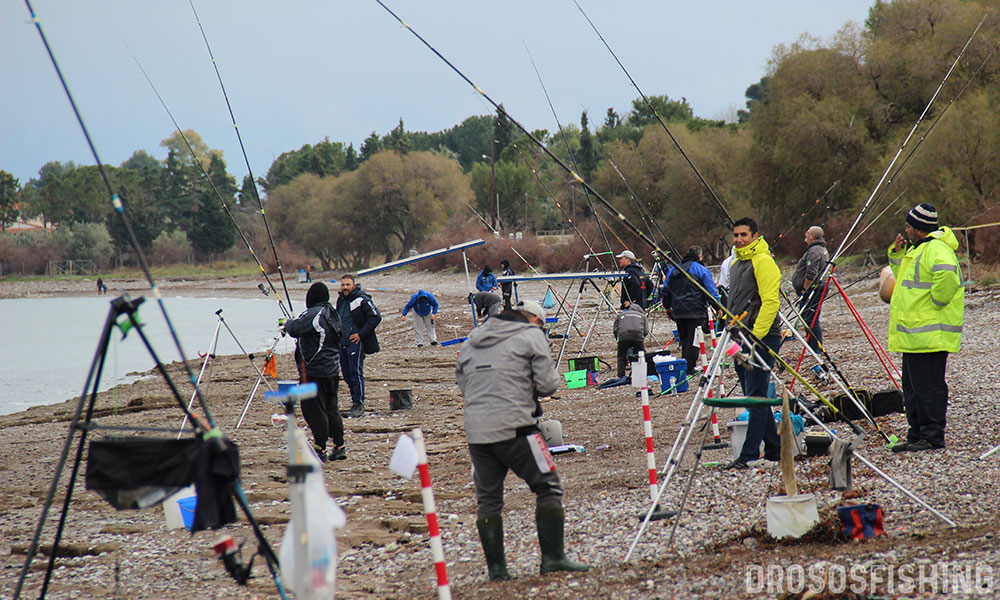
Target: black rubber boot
[
  {"x": 551, "y": 521},
  {"x": 491, "y": 535}
]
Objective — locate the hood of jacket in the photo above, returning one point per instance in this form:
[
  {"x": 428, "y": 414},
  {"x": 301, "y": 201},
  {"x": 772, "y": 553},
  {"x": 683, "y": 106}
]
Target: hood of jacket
[
  {"x": 946, "y": 235},
  {"x": 497, "y": 329},
  {"x": 758, "y": 246}
]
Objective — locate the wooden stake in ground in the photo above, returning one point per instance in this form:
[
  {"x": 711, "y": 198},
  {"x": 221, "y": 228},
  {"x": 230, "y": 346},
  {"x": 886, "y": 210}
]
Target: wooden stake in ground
[{"x": 787, "y": 435}]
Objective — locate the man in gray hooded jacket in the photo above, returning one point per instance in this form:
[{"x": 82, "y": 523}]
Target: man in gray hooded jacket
[{"x": 503, "y": 368}]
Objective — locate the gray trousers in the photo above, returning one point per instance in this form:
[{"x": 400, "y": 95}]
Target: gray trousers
[
  {"x": 423, "y": 323},
  {"x": 490, "y": 463}
]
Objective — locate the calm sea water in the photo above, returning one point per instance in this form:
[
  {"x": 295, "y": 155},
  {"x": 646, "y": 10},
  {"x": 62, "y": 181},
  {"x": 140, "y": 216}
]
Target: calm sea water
[{"x": 47, "y": 344}]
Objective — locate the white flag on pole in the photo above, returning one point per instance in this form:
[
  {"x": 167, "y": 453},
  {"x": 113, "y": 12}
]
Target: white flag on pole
[{"x": 404, "y": 457}]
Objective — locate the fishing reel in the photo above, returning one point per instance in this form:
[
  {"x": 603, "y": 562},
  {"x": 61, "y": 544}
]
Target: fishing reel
[{"x": 229, "y": 553}]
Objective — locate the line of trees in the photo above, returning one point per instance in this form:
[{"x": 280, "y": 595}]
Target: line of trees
[{"x": 824, "y": 113}]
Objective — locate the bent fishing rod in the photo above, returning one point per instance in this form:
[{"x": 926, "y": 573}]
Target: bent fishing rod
[
  {"x": 717, "y": 203},
  {"x": 920, "y": 142},
  {"x": 239, "y": 138},
  {"x": 639, "y": 233},
  {"x": 215, "y": 190},
  {"x": 207, "y": 429},
  {"x": 866, "y": 208}
]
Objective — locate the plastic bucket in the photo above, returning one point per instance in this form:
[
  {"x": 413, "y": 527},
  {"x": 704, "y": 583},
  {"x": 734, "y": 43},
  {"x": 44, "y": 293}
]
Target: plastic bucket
[
  {"x": 187, "y": 506},
  {"x": 172, "y": 511},
  {"x": 791, "y": 516},
  {"x": 284, "y": 386},
  {"x": 737, "y": 434}
]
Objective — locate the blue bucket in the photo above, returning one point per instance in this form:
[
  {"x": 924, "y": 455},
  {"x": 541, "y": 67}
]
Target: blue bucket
[
  {"x": 187, "y": 506},
  {"x": 284, "y": 386}
]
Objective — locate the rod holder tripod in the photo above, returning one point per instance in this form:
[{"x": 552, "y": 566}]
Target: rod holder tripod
[{"x": 122, "y": 315}]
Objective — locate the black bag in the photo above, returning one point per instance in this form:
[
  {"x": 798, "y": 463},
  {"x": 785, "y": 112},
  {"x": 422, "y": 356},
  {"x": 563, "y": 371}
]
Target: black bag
[
  {"x": 887, "y": 402},
  {"x": 845, "y": 405},
  {"x": 400, "y": 399},
  {"x": 135, "y": 472}
]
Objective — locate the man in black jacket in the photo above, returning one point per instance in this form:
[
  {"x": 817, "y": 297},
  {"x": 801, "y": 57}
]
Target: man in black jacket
[
  {"x": 358, "y": 318},
  {"x": 633, "y": 284},
  {"x": 507, "y": 288},
  {"x": 317, "y": 352}
]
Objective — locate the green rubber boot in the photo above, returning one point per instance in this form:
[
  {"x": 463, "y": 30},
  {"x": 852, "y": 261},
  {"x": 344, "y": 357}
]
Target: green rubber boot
[
  {"x": 551, "y": 521},
  {"x": 491, "y": 535}
]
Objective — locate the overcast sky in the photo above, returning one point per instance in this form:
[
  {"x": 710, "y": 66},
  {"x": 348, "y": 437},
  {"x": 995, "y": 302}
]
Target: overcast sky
[{"x": 297, "y": 71}]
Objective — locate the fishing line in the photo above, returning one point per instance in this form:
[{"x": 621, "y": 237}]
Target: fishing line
[
  {"x": 121, "y": 209},
  {"x": 218, "y": 195},
  {"x": 239, "y": 138},
  {"x": 719, "y": 207},
  {"x": 923, "y": 137},
  {"x": 550, "y": 195},
  {"x": 562, "y": 134},
  {"x": 865, "y": 209}
]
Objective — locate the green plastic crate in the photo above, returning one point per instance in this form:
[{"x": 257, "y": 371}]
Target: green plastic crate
[{"x": 576, "y": 379}]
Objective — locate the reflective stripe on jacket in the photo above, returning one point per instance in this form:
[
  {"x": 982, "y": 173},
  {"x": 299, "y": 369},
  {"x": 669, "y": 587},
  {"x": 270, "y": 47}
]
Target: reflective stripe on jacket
[{"x": 928, "y": 301}]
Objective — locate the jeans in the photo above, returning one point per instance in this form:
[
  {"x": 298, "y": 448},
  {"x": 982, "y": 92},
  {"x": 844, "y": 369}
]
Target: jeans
[{"x": 761, "y": 425}]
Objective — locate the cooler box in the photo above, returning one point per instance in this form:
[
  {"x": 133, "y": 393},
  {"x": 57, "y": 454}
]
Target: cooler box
[
  {"x": 677, "y": 369},
  {"x": 584, "y": 363}
]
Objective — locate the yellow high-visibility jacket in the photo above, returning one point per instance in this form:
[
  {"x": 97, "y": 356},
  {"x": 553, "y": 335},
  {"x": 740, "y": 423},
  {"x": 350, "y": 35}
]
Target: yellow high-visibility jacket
[{"x": 928, "y": 302}]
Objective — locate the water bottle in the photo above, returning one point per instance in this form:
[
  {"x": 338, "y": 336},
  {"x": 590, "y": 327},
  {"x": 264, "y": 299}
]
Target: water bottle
[{"x": 673, "y": 383}]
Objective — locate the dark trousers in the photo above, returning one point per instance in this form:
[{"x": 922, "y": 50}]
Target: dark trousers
[
  {"x": 490, "y": 463},
  {"x": 810, "y": 308},
  {"x": 925, "y": 395},
  {"x": 352, "y": 366},
  {"x": 623, "y": 348},
  {"x": 685, "y": 331},
  {"x": 761, "y": 425},
  {"x": 321, "y": 412},
  {"x": 508, "y": 291}
]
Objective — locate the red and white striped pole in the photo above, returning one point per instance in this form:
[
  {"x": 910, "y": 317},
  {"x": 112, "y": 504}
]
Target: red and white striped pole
[
  {"x": 437, "y": 551},
  {"x": 647, "y": 425}
]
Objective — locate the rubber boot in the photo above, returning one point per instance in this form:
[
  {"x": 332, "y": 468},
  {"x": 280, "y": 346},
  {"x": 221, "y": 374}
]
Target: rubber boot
[
  {"x": 551, "y": 521},
  {"x": 491, "y": 535}
]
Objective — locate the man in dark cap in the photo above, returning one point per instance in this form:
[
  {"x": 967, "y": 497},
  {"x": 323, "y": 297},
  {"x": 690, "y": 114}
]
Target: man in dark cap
[
  {"x": 925, "y": 322},
  {"x": 317, "y": 355}
]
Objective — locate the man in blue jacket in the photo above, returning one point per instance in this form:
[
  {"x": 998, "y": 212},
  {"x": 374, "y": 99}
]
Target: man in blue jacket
[
  {"x": 686, "y": 304},
  {"x": 424, "y": 306},
  {"x": 358, "y": 318},
  {"x": 486, "y": 281}
]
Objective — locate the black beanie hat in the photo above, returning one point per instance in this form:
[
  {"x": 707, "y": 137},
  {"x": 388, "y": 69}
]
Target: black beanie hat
[
  {"x": 923, "y": 217},
  {"x": 505, "y": 263},
  {"x": 317, "y": 294}
]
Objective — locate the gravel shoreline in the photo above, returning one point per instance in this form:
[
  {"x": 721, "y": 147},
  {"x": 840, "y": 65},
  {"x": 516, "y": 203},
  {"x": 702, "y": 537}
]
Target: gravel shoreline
[{"x": 720, "y": 545}]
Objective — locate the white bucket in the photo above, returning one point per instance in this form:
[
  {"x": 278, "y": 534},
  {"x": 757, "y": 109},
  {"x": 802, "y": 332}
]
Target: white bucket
[
  {"x": 791, "y": 516},
  {"x": 172, "y": 511}
]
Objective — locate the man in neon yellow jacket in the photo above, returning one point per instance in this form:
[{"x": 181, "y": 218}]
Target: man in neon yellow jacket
[
  {"x": 754, "y": 287},
  {"x": 925, "y": 322}
]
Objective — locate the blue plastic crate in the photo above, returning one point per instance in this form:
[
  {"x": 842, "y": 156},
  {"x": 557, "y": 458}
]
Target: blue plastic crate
[{"x": 676, "y": 369}]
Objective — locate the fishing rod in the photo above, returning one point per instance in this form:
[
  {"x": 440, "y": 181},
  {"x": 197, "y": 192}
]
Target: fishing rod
[
  {"x": 215, "y": 189},
  {"x": 719, "y": 207},
  {"x": 866, "y": 207},
  {"x": 644, "y": 212},
  {"x": 923, "y": 137},
  {"x": 562, "y": 134},
  {"x": 803, "y": 215},
  {"x": 207, "y": 429},
  {"x": 239, "y": 138},
  {"x": 736, "y": 321}
]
